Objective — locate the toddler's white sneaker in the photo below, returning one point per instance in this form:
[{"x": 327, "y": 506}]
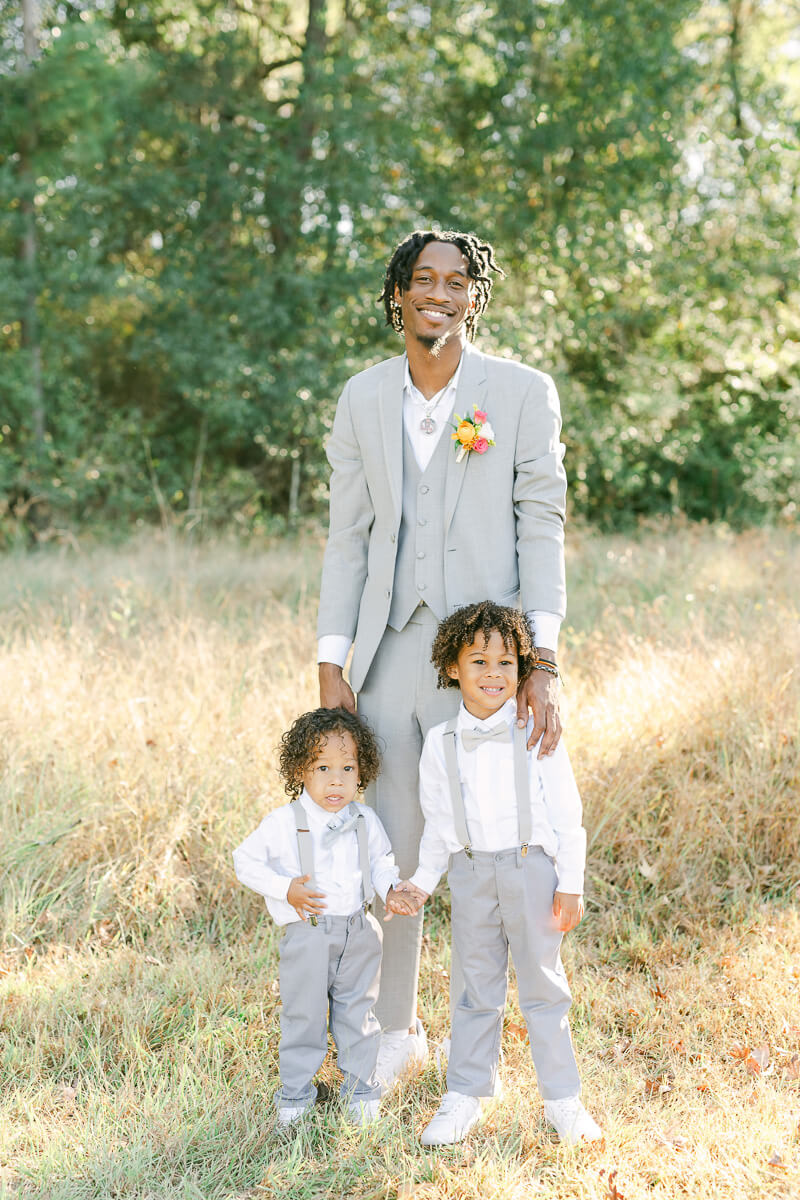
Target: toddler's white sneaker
[
  {"x": 453, "y": 1119},
  {"x": 571, "y": 1121},
  {"x": 363, "y": 1112},
  {"x": 290, "y": 1114}
]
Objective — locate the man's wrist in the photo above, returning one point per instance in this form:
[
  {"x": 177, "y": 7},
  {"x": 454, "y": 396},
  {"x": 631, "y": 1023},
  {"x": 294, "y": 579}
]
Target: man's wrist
[
  {"x": 544, "y": 654},
  {"x": 331, "y": 669}
]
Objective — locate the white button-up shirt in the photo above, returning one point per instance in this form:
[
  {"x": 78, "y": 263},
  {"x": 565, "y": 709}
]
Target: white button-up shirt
[
  {"x": 487, "y": 785},
  {"x": 269, "y": 859},
  {"x": 440, "y": 408}
]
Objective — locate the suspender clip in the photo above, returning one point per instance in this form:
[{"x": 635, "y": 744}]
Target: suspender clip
[
  {"x": 313, "y": 919},
  {"x": 468, "y": 851},
  {"x": 524, "y": 849}
]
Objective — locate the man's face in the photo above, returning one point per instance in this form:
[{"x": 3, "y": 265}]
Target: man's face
[{"x": 439, "y": 297}]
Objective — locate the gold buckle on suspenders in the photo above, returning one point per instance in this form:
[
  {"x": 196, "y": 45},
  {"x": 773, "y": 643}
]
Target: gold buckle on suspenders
[
  {"x": 524, "y": 850},
  {"x": 468, "y": 851}
]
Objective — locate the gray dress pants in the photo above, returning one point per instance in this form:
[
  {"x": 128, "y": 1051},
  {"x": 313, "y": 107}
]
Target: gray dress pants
[
  {"x": 502, "y": 901},
  {"x": 400, "y": 701},
  {"x": 336, "y": 963}
]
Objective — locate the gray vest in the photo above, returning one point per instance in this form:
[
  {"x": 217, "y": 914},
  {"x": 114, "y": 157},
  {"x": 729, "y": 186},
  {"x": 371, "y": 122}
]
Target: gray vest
[{"x": 419, "y": 566}]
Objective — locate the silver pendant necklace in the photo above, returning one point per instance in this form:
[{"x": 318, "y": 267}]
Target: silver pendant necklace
[{"x": 427, "y": 424}]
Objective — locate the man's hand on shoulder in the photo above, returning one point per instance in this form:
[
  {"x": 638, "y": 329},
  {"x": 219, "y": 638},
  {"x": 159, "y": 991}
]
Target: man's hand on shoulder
[
  {"x": 334, "y": 690},
  {"x": 540, "y": 693}
]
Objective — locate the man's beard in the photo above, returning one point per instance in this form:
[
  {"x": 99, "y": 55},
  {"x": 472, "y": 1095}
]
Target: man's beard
[{"x": 433, "y": 345}]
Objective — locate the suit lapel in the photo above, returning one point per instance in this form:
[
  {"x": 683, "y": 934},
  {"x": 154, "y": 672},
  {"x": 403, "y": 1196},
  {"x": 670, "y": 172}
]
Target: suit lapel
[
  {"x": 390, "y": 404},
  {"x": 471, "y": 390}
]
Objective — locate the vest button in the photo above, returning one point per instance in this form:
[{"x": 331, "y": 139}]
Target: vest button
[
  {"x": 424, "y": 489},
  {"x": 421, "y": 521},
  {"x": 420, "y": 554},
  {"x": 421, "y": 587}
]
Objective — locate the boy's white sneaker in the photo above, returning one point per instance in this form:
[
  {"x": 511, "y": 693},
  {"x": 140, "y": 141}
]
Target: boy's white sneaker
[
  {"x": 571, "y": 1121},
  {"x": 453, "y": 1119},
  {"x": 363, "y": 1112},
  {"x": 401, "y": 1052},
  {"x": 290, "y": 1114}
]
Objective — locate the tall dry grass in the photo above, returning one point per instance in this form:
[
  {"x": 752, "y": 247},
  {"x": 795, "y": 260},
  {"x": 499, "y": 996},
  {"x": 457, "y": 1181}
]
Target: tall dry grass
[{"x": 144, "y": 691}]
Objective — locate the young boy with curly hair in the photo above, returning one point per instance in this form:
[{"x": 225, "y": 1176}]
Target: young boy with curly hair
[
  {"x": 509, "y": 825},
  {"x": 318, "y": 862}
]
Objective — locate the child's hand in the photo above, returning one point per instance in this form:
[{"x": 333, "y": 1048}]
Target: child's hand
[
  {"x": 404, "y": 900},
  {"x": 305, "y": 902},
  {"x": 567, "y": 910}
]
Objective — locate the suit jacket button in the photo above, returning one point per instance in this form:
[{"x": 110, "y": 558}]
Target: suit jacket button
[
  {"x": 423, "y": 487},
  {"x": 392, "y": 537},
  {"x": 388, "y": 593}
]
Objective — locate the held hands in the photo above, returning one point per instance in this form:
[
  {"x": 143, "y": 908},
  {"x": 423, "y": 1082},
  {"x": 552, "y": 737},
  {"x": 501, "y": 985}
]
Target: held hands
[
  {"x": 404, "y": 900},
  {"x": 567, "y": 910},
  {"x": 540, "y": 693},
  {"x": 305, "y": 902}
]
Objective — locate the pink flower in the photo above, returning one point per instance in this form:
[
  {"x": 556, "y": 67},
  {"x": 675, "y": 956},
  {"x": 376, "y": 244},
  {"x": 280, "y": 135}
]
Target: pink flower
[
  {"x": 480, "y": 445},
  {"x": 480, "y": 416}
]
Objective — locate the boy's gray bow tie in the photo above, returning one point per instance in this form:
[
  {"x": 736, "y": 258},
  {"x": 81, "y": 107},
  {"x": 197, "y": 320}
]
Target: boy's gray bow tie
[
  {"x": 472, "y": 738},
  {"x": 338, "y": 825}
]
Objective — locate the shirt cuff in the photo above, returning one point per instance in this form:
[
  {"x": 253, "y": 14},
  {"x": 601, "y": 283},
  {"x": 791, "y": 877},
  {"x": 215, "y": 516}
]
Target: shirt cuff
[
  {"x": 546, "y": 628},
  {"x": 334, "y": 648},
  {"x": 426, "y": 881}
]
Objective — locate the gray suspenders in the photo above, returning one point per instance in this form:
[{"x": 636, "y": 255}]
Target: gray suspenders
[
  {"x": 520, "y": 740},
  {"x": 305, "y": 849}
]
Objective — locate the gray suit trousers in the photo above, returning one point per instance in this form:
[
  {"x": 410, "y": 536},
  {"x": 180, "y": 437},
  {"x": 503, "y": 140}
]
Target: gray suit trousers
[
  {"x": 400, "y": 701},
  {"x": 338, "y": 961},
  {"x": 500, "y": 901}
]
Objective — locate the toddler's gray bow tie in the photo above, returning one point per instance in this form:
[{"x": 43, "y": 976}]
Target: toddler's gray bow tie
[
  {"x": 472, "y": 738},
  {"x": 337, "y": 826}
]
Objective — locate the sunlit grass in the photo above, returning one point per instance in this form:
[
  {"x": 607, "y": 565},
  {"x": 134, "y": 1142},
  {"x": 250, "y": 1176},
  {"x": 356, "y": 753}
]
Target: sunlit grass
[{"x": 144, "y": 691}]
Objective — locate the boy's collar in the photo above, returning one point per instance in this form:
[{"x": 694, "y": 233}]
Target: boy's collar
[
  {"x": 318, "y": 816},
  {"x": 507, "y": 712}
]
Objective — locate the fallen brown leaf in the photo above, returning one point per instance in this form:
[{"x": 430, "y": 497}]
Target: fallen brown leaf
[
  {"x": 516, "y": 1031},
  {"x": 792, "y": 1069},
  {"x": 758, "y": 1060},
  {"x": 739, "y": 1051}
]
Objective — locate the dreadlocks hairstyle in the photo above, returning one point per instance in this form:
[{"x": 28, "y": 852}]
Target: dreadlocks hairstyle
[
  {"x": 480, "y": 264},
  {"x": 463, "y": 626},
  {"x": 301, "y": 744}
]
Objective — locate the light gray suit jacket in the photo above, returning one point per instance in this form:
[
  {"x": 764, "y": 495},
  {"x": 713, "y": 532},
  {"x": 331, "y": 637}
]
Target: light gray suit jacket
[{"x": 504, "y": 510}]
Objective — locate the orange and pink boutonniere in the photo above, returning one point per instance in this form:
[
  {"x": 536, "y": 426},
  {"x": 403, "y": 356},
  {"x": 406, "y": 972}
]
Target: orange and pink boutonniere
[{"x": 472, "y": 433}]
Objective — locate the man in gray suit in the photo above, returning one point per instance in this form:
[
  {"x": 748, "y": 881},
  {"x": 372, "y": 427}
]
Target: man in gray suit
[{"x": 417, "y": 530}]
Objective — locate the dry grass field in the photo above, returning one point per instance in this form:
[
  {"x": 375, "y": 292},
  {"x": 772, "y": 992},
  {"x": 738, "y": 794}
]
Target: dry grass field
[{"x": 143, "y": 692}]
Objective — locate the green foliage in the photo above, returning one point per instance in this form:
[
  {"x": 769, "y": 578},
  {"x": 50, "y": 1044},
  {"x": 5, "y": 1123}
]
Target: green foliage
[{"x": 216, "y": 190}]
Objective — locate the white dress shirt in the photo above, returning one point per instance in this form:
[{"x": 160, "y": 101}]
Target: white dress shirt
[
  {"x": 268, "y": 860},
  {"x": 487, "y": 784},
  {"x": 334, "y": 647}
]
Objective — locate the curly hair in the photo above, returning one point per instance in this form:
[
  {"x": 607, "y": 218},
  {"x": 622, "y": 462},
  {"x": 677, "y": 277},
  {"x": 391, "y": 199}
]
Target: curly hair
[
  {"x": 301, "y": 744},
  {"x": 480, "y": 264},
  {"x": 463, "y": 626}
]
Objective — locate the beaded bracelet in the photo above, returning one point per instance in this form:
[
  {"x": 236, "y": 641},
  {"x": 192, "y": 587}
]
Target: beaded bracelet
[{"x": 550, "y": 668}]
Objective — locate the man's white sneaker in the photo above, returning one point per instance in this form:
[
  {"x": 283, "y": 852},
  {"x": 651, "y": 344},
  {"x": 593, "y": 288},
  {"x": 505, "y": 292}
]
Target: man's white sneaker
[
  {"x": 290, "y": 1114},
  {"x": 363, "y": 1112},
  {"x": 571, "y": 1121},
  {"x": 453, "y": 1119},
  {"x": 400, "y": 1052}
]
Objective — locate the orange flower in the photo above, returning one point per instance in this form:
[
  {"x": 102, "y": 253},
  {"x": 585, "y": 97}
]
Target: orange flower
[{"x": 466, "y": 433}]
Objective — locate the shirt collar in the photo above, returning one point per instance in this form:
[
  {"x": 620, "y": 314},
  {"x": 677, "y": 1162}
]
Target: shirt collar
[
  {"x": 411, "y": 390},
  {"x": 507, "y": 713},
  {"x": 318, "y": 818}
]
